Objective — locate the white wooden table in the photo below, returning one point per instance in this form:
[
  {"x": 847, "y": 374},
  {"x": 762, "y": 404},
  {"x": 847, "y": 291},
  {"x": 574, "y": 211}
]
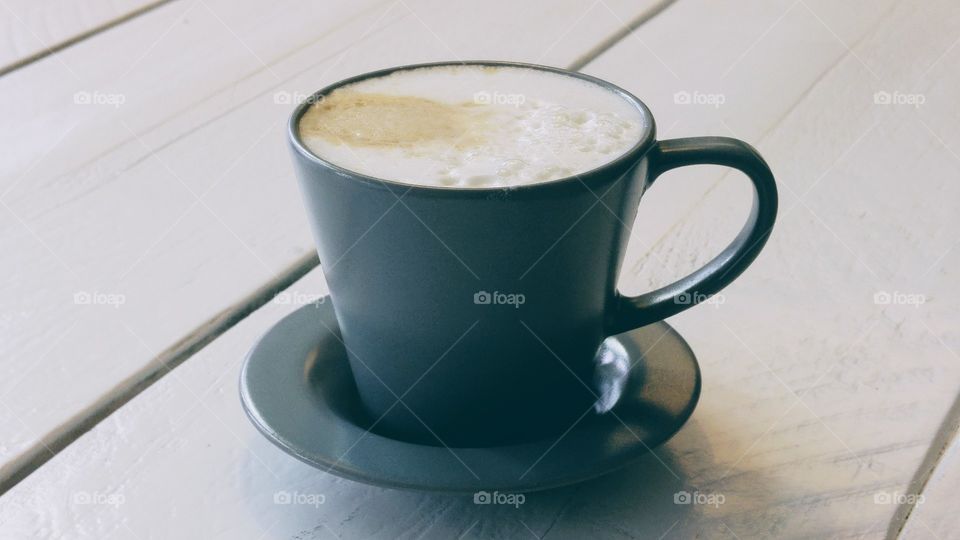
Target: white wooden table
[{"x": 148, "y": 214}]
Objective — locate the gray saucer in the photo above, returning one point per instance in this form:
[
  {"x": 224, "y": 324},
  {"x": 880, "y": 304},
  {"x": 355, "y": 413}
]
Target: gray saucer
[{"x": 296, "y": 388}]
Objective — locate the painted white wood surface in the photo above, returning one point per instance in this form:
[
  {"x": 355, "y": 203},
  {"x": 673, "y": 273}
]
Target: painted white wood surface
[
  {"x": 133, "y": 223},
  {"x": 31, "y": 27},
  {"x": 815, "y": 397}
]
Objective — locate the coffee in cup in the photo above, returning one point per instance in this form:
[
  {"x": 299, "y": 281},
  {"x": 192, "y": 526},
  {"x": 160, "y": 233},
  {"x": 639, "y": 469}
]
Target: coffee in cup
[{"x": 471, "y": 126}]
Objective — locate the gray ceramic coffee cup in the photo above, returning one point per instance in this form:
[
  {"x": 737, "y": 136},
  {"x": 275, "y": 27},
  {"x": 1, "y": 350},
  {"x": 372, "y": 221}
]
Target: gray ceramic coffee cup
[{"x": 471, "y": 316}]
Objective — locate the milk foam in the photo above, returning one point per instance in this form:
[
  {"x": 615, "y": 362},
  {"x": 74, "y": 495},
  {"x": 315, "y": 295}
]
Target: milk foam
[{"x": 471, "y": 126}]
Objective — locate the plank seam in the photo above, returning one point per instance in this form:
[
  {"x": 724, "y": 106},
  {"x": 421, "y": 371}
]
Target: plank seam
[
  {"x": 171, "y": 357},
  {"x": 618, "y": 36},
  {"x": 947, "y": 433},
  {"x": 82, "y": 36}
]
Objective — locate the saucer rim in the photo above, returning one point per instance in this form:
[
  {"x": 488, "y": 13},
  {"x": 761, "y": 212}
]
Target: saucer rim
[{"x": 337, "y": 468}]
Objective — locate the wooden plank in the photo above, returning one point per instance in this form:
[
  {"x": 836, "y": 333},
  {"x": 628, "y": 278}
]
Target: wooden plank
[
  {"x": 33, "y": 29},
  {"x": 152, "y": 219},
  {"x": 814, "y": 398}
]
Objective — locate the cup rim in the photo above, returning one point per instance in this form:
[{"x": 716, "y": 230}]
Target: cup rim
[{"x": 631, "y": 156}]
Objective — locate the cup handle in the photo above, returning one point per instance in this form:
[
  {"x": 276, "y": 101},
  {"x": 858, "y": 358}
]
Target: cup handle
[{"x": 626, "y": 312}]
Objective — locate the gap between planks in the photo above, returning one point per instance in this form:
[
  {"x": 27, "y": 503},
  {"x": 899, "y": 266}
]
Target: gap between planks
[
  {"x": 154, "y": 370},
  {"x": 949, "y": 430},
  {"x": 82, "y": 422},
  {"x": 48, "y": 50}
]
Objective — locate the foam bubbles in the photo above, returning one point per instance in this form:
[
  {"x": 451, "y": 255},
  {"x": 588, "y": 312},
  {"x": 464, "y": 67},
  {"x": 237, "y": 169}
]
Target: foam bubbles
[{"x": 469, "y": 126}]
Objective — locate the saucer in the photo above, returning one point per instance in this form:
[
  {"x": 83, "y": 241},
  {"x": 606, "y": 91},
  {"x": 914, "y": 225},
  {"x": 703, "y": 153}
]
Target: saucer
[{"x": 296, "y": 388}]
